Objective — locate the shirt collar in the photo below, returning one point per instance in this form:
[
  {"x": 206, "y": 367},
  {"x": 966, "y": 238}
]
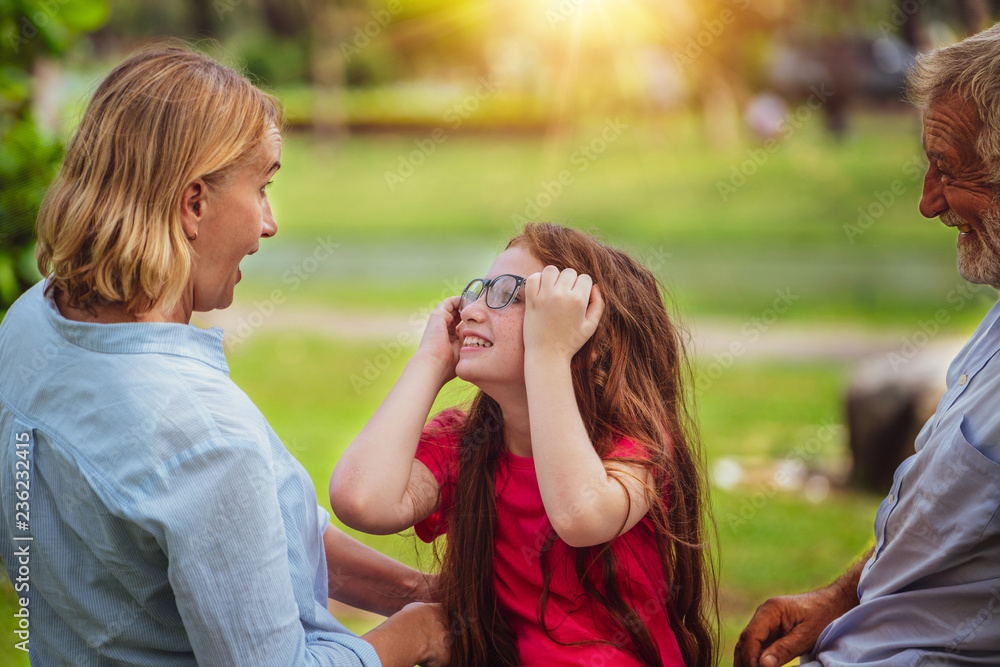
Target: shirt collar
[
  {"x": 184, "y": 340},
  {"x": 992, "y": 319}
]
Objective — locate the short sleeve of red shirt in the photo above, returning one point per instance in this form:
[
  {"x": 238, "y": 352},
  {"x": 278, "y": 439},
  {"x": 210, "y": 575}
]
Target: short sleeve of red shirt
[
  {"x": 629, "y": 449},
  {"x": 438, "y": 450},
  {"x": 626, "y": 448}
]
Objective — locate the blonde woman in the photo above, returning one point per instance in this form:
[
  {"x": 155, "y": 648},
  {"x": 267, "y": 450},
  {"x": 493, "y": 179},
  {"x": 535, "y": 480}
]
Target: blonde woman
[{"x": 150, "y": 515}]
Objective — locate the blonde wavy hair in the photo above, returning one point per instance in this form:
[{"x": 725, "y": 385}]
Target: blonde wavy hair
[{"x": 109, "y": 228}]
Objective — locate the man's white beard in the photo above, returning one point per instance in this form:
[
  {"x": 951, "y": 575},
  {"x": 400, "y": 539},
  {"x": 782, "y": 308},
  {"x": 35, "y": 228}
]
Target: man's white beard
[{"x": 979, "y": 261}]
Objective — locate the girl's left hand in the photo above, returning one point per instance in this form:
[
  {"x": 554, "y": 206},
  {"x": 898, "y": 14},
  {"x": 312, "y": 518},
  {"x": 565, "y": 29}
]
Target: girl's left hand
[{"x": 562, "y": 310}]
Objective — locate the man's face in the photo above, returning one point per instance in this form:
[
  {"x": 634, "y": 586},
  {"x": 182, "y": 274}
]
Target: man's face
[{"x": 957, "y": 189}]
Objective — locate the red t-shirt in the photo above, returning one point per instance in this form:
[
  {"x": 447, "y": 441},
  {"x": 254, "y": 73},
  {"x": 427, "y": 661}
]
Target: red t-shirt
[{"x": 522, "y": 529}]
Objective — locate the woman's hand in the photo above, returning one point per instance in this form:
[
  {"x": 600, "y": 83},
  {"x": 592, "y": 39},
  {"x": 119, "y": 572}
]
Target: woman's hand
[
  {"x": 439, "y": 638},
  {"x": 440, "y": 343},
  {"x": 418, "y": 633},
  {"x": 561, "y": 314}
]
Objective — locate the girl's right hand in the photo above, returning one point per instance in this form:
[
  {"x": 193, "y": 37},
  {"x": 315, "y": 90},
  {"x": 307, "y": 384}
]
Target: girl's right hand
[{"x": 440, "y": 342}]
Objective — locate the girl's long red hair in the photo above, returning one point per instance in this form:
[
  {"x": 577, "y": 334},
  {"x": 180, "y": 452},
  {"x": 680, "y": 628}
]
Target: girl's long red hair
[{"x": 635, "y": 387}]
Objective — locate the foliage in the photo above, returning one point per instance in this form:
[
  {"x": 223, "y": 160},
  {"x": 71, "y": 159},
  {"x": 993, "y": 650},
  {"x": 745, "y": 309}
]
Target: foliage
[{"x": 31, "y": 31}]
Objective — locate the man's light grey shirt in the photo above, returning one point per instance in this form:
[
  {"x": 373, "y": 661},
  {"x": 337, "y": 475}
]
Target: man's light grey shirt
[
  {"x": 930, "y": 592},
  {"x": 164, "y": 523}
]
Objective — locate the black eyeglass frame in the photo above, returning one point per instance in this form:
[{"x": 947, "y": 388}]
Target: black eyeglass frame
[{"x": 487, "y": 289}]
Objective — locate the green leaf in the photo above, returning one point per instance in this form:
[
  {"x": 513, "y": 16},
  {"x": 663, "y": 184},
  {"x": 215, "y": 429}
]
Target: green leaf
[
  {"x": 15, "y": 84},
  {"x": 84, "y": 15},
  {"x": 55, "y": 35},
  {"x": 26, "y": 266},
  {"x": 8, "y": 280}
]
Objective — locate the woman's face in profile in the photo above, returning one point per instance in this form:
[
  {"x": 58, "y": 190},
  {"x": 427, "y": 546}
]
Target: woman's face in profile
[{"x": 233, "y": 217}]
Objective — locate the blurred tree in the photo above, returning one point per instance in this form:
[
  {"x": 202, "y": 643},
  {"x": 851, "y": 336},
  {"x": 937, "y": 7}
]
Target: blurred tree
[
  {"x": 203, "y": 18},
  {"x": 286, "y": 19},
  {"x": 130, "y": 21},
  {"x": 31, "y": 31}
]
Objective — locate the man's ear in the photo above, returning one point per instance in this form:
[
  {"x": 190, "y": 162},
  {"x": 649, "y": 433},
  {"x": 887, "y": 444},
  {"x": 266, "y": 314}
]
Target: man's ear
[{"x": 193, "y": 207}]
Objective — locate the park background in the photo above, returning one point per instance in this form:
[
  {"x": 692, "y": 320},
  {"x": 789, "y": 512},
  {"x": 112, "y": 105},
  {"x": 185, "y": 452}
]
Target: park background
[{"x": 758, "y": 157}]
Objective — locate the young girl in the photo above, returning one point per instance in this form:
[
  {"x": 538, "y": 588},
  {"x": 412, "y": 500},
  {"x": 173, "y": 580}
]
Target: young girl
[{"x": 571, "y": 492}]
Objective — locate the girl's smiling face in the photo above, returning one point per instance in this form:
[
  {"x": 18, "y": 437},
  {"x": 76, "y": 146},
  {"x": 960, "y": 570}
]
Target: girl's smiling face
[{"x": 500, "y": 362}]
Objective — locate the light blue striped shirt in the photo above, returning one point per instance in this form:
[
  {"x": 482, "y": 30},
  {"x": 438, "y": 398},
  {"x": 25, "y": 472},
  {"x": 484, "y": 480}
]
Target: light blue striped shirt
[
  {"x": 930, "y": 593},
  {"x": 151, "y": 516}
]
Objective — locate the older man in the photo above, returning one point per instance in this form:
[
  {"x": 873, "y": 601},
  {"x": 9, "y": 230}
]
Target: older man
[{"x": 929, "y": 591}]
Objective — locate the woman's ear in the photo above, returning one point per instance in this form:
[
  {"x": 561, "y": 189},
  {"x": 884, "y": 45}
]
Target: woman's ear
[{"x": 193, "y": 207}]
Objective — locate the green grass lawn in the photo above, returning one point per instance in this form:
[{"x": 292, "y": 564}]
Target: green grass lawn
[
  {"x": 781, "y": 543},
  {"x": 754, "y": 412},
  {"x": 656, "y": 184}
]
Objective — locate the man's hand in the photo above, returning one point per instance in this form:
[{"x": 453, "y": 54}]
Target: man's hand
[{"x": 783, "y": 628}]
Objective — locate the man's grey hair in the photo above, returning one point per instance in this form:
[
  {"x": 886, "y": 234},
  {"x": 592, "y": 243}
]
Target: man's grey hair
[{"x": 971, "y": 71}]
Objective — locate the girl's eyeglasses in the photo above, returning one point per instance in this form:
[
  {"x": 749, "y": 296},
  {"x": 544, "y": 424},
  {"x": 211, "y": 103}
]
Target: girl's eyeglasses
[{"x": 500, "y": 291}]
